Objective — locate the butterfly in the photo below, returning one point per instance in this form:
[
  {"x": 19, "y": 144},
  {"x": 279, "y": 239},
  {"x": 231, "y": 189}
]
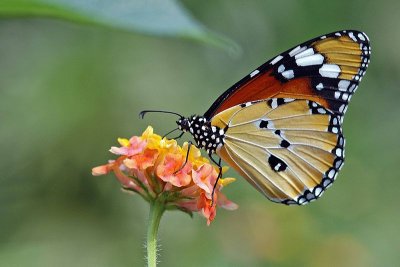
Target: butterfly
[{"x": 280, "y": 127}]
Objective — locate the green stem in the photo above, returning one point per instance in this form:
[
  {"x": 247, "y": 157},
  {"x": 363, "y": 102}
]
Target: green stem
[{"x": 157, "y": 209}]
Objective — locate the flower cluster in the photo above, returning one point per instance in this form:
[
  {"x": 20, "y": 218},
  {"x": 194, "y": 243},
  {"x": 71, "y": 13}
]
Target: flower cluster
[{"x": 155, "y": 168}]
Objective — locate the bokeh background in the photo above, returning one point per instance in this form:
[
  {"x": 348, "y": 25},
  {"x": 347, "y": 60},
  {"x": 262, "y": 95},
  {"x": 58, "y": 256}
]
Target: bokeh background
[{"x": 69, "y": 89}]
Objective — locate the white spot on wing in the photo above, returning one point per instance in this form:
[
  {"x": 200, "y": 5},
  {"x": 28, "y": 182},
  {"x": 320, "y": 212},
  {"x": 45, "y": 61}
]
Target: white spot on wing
[
  {"x": 289, "y": 74},
  {"x": 288, "y": 100},
  {"x": 281, "y": 68},
  {"x": 318, "y": 191},
  {"x": 339, "y": 152},
  {"x": 305, "y": 53},
  {"x": 353, "y": 88},
  {"x": 329, "y": 70},
  {"x": 361, "y": 36},
  {"x": 294, "y": 51},
  {"x": 277, "y": 166},
  {"x": 297, "y": 50},
  {"x": 302, "y": 201},
  {"x": 319, "y": 86},
  {"x": 342, "y": 108},
  {"x": 316, "y": 59},
  {"x": 343, "y": 85},
  {"x": 274, "y": 103},
  {"x": 254, "y": 73},
  {"x": 351, "y": 35},
  {"x": 273, "y": 62}
]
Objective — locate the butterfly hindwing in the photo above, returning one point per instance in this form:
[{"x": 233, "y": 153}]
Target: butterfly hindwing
[
  {"x": 290, "y": 150},
  {"x": 326, "y": 69}
]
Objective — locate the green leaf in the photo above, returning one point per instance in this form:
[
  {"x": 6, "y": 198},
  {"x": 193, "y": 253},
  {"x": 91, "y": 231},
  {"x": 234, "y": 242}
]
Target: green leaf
[{"x": 155, "y": 17}]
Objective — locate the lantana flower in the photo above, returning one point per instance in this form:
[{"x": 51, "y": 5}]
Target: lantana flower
[{"x": 156, "y": 168}]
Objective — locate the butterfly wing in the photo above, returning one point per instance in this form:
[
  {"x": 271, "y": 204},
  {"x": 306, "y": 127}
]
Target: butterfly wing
[
  {"x": 290, "y": 150},
  {"x": 326, "y": 69}
]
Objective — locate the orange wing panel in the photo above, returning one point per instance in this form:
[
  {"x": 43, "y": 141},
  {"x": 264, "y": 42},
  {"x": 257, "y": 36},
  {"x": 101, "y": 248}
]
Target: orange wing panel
[{"x": 267, "y": 86}]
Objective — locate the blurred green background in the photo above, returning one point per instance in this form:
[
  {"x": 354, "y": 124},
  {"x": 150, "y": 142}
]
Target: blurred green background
[{"x": 68, "y": 90}]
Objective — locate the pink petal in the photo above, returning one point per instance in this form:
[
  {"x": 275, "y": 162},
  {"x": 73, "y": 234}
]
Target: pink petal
[
  {"x": 137, "y": 145},
  {"x": 123, "y": 178},
  {"x": 166, "y": 171},
  {"x": 101, "y": 170},
  {"x": 189, "y": 204},
  {"x": 209, "y": 213},
  {"x": 191, "y": 191},
  {"x": 119, "y": 150},
  {"x": 225, "y": 203},
  {"x": 205, "y": 177}
]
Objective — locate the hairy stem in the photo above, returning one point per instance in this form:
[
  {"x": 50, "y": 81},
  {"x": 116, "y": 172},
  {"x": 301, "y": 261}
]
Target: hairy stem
[{"x": 157, "y": 208}]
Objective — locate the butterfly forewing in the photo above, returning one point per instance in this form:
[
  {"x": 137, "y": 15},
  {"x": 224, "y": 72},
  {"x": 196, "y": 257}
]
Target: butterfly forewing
[
  {"x": 290, "y": 150},
  {"x": 326, "y": 69}
]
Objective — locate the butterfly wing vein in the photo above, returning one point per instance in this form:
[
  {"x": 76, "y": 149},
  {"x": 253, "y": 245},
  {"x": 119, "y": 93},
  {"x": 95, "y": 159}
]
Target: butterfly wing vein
[{"x": 286, "y": 157}]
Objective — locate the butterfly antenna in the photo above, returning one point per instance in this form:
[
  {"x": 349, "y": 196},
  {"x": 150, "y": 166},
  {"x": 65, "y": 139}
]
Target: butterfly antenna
[{"x": 144, "y": 112}]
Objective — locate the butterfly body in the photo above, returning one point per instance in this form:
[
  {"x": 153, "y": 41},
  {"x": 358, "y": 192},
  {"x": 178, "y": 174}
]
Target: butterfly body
[
  {"x": 280, "y": 126},
  {"x": 206, "y": 136}
]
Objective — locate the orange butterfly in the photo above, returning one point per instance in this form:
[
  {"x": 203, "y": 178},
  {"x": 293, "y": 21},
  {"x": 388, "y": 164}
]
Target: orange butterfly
[{"x": 280, "y": 126}]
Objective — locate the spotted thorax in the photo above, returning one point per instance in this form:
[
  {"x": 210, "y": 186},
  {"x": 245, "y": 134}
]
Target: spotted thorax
[{"x": 209, "y": 137}]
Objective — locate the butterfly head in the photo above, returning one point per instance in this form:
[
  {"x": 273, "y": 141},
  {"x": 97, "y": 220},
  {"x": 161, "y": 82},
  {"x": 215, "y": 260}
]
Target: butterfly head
[
  {"x": 192, "y": 124},
  {"x": 183, "y": 124}
]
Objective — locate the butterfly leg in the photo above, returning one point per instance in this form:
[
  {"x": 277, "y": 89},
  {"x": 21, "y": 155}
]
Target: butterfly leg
[
  {"x": 165, "y": 135},
  {"x": 179, "y": 136},
  {"x": 187, "y": 157},
  {"x": 219, "y": 176}
]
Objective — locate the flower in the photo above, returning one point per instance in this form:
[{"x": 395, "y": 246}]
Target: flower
[{"x": 156, "y": 168}]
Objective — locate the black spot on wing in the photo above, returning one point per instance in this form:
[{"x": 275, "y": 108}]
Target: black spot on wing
[
  {"x": 264, "y": 124},
  {"x": 269, "y": 102},
  {"x": 280, "y": 101},
  {"x": 285, "y": 144},
  {"x": 276, "y": 164}
]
